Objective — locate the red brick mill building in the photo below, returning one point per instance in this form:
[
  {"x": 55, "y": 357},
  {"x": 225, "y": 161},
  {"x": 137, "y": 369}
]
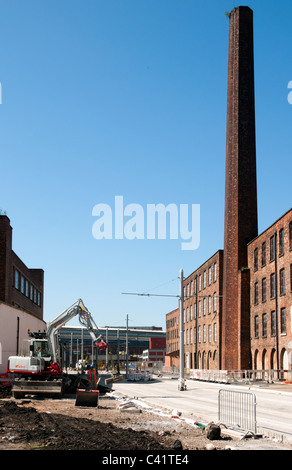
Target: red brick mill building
[
  {"x": 270, "y": 263},
  {"x": 237, "y": 307}
]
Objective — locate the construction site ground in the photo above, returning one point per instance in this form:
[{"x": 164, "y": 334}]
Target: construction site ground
[{"x": 116, "y": 424}]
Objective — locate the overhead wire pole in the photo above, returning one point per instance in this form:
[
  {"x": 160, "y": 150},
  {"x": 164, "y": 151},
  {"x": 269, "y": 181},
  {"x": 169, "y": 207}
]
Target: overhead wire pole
[
  {"x": 182, "y": 383},
  {"x": 127, "y": 345},
  {"x": 106, "y": 351}
]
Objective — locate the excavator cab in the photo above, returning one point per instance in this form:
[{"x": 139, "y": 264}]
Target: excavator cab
[{"x": 40, "y": 348}]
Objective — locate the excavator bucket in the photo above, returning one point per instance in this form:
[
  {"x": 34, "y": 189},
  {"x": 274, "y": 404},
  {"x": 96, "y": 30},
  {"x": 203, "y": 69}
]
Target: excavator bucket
[{"x": 86, "y": 397}]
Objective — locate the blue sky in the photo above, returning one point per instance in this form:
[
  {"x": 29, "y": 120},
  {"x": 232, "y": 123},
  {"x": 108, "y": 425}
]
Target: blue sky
[{"x": 128, "y": 97}]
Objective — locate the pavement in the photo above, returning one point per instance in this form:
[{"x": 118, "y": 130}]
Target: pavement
[{"x": 273, "y": 387}]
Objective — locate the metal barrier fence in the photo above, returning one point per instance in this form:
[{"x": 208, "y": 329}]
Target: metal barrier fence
[
  {"x": 237, "y": 409},
  {"x": 229, "y": 376},
  {"x": 169, "y": 370},
  {"x": 209, "y": 375},
  {"x": 136, "y": 375},
  {"x": 244, "y": 376}
]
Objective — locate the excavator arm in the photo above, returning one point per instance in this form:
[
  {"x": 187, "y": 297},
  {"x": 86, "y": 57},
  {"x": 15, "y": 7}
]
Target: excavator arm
[{"x": 85, "y": 318}]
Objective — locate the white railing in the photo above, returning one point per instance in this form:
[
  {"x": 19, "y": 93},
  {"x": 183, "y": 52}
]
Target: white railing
[
  {"x": 246, "y": 376},
  {"x": 229, "y": 376},
  {"x": 237, "y": 409},
  {"x": 137, "y": 375}
]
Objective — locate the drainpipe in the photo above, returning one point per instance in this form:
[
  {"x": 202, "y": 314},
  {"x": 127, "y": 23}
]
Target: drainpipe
[{"x": 17, "y": 337}]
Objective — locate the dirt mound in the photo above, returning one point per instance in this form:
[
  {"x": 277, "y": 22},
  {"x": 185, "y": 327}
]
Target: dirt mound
[
  {"x": 49, "y": 431},
  {"x": 36, "y": 423}
]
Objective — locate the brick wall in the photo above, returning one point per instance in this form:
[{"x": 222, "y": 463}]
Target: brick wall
[
  {"x": 202, "y": 317},
  {"x": 269, "y": 344},
  {"x": 157, "y": 343},
  {"x": 20, "y": 286},
  {"x": 172, "y": 338}
]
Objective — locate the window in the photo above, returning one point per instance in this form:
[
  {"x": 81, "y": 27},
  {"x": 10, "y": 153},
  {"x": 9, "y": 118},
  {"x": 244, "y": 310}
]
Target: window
[
  {"x": 215, "y": 332},
  {"x": 273, "y": 323},
  {"x": 39, "y": 299},
  {"x": 264, "y": 289},
  {"x": 281, "y": 242},
  {"x": 22, "y": 284},
  {"x": 283, "y": 321},
  {"x": 200, "y": 282},
  {"x": 41, "y": 348},
  {"x": 256, "y": 326},
  {"x": 195, "y": 310},
  {"x": 204, "y": 333},
  {"x": 209, "y": 333},
  {"x": 215, "y": 302},
  {"x": 272, "y": 248},
  {"x": 209, "y": 303},
  {"x": 215, "y": 271},
  {"x": 282, "y": 281},
  {"x": 204, "y": 306},
  {"x": 210, "y": 275},
  {"x": 272, "y": 285},
  {"x": 199, "y": 334},
  {"x": 256, "y": 293},
  {"x": 255, "y": 259},
  {"x": 264, "y": 254},
  {"x": 264, "y": 324},
  {"x": 204, "y": 281},
  {"x": 16, "y": 279},
  {"x": 199, "y": 308},
  {"x": 26, "y": 288}
]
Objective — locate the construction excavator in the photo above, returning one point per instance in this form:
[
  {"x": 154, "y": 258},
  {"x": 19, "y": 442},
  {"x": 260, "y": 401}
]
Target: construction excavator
[{"x": 39, "y": 372}]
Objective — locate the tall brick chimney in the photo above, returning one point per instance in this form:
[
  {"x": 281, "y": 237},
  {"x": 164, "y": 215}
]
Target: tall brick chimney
[{"x": 240, "y": 224}]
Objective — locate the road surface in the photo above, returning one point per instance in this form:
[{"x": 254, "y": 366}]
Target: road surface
[{"x": 200, "y": 401}]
